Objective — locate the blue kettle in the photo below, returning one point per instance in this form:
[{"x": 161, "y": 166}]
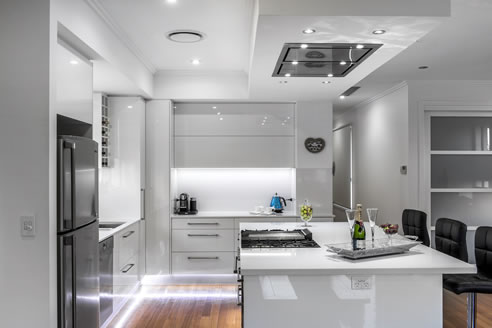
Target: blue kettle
[{"x": 276, "y": 203}]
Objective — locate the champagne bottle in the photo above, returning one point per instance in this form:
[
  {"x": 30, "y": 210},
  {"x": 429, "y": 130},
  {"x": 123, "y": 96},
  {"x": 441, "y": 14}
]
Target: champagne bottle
[{"x": 359, "y": 229}]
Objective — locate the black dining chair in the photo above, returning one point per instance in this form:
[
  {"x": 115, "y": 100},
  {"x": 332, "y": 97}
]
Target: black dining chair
[
  {"x": 450, "y": 238},
  {"x": 415, "y": 224},
  {"x": 481, "y": 282}
]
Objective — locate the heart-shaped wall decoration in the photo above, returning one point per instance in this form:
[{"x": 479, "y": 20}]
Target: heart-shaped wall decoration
[{"x": 314, "y": 145}]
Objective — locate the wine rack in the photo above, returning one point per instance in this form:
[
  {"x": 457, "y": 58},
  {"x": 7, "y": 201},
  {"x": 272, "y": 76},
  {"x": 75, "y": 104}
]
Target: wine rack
[{"x": 105, "y": 127}]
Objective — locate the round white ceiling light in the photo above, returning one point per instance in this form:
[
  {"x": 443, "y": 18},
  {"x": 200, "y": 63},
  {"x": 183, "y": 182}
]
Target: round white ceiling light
[
  {"x": 304, "y": 46},
  {"x": 378, "y": 32},
  {"x": 185, "y": 36},
  {"x": 309, "y": 31}
]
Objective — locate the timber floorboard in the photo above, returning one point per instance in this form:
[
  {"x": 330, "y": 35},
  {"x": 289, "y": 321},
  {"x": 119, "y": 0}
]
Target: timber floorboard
[{"x": 214, "y": 306}]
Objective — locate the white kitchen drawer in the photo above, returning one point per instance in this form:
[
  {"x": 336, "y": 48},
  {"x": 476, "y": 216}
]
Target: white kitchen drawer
[
  {"x": 127, "y": 275},
  {"x": 202, "y": 240},
  {"x": 124, "y": 280},
  {"x": 128, "y": 244},
  {"x": 234, "y": 151},
  {"x": 201, "y": 119},
  {"x": 203, "y": 263},
  {"x": 203, "y": 224}
]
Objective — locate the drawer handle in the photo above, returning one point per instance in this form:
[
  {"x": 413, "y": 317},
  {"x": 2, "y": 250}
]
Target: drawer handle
[
  {"x": 203, "y": 257},
  {"x": 203, "y": 223},
  {"x": 128, "y": 234},
  {"x": 127, "y": 268},
  {"x": 203, "y": 235}
]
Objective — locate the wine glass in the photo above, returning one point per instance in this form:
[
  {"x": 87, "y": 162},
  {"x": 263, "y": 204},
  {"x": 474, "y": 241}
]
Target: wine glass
[
  {"x": 351, "y": 220},
  {"x": 306, "y": 213},
  {"x": 372, "y": 214}
]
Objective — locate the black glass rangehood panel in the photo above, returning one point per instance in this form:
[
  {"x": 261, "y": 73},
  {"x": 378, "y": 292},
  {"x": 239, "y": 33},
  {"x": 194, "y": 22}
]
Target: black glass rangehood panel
[{"x": 322, "y": 59}]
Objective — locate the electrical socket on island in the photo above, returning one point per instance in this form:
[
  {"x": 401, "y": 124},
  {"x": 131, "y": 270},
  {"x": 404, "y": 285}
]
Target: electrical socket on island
[{"x": 361, "y": 282}]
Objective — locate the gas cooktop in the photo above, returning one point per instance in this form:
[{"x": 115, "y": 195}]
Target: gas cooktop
[{"x": 277, "y": 239}]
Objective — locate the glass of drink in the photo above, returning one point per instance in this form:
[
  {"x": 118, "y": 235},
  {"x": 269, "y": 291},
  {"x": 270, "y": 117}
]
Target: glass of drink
[
  {"x": 372, "y": 214},
  {"x": 351, "y": 220},
  {"x": 306, "y": 213}
]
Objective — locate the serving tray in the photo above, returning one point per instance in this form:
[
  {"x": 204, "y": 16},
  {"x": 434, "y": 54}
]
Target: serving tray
[{"x": 368, "y": 248}]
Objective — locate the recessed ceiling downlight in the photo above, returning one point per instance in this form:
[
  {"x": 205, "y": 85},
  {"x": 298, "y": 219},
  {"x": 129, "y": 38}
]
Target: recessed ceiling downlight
[
  {"x": 309, "y": 31},
  {"x": 378, "y": 32},
  {"x": 185, "y": 36}
]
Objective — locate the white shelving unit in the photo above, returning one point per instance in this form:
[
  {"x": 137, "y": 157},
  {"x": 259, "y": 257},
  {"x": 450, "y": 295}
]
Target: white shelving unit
[{"x": 459, "y": 168}]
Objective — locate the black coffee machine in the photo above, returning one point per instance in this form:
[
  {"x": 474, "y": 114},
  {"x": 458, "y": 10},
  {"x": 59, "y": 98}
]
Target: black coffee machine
[{"x": 185, "y": 205}]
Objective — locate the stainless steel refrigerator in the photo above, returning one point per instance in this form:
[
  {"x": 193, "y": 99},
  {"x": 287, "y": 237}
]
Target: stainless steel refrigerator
[{"x": 78, "y": 233}]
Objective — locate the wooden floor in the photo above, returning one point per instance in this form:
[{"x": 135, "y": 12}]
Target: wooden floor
[
  {"x": 204, "y": 306},
  {"x": 454, "y": 308},
  {"x": 201, "y": 306}
]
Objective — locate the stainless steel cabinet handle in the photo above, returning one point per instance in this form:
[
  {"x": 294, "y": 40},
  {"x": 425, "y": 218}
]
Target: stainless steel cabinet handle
[
  {"x": 127, "y": 267},
  {"x": 203, "y": 235},
  {"x": 128, "y": 234},
  {"x": 203, "y": 223},
  {"x": 203, "y": 257},
  {"x": 142, "y": 204}
]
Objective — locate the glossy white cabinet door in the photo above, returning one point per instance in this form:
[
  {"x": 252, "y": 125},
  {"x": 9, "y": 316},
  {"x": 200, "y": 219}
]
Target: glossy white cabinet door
[
  {"x": 74, "y": 86},
  {"x": 230, "y": 151},
  {"x": 246, "y": 119},
  {"x": 157, "y": 195},
  {"x": 120, "y": 184}
]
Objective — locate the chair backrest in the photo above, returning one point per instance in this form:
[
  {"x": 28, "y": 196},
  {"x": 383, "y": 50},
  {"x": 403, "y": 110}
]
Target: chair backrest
[
  {"x": 483, "y": 250},
  {"x": 415, "y": 223},
  {"x": 451, "y": 238}
]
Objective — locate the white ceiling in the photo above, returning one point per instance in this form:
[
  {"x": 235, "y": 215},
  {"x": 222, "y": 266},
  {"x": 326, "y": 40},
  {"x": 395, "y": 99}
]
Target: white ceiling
[
  {"x": 456, "y": 49},
  {"x": 459, "y": 49},
  {"x": 273, "y": 31},
  {"x": 226, "y": 23}
]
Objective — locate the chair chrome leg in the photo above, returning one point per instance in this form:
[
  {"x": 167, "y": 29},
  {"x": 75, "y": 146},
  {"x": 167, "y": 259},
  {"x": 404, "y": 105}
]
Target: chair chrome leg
[{"x": 472, "y": 310}]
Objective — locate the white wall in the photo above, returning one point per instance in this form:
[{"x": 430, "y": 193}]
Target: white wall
[
  {"x": 83, "y": 21},
  {"x": 189, "y": 85},
  {"x": 235, "y": 189},
  {"x": 314, "y": 177},
  {"x": 27, "y": 270},
  {"x": 380, "y": 146}
]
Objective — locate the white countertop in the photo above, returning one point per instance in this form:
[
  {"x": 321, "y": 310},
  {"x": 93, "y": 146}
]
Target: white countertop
[
  {"x": 316, "y": 261},
  {"x": 242, "y": 214},
  {"x": 103, "y": 234}
]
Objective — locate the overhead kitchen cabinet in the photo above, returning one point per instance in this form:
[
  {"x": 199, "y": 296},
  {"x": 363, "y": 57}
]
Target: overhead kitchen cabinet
[
  {"x": 221, "y": 135},
  {"x": 73, "y": 76}
]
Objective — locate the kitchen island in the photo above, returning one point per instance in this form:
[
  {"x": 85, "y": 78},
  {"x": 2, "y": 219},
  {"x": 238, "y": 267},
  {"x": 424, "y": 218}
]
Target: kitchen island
[{"x": 311, "y": 287}]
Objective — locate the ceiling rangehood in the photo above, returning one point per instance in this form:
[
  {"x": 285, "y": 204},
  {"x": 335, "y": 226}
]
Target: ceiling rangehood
[{"x": 322, "y": 59}]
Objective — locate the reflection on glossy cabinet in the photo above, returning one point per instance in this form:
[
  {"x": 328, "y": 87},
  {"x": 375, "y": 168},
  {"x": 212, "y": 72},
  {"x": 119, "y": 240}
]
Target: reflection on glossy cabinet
[{"x": 226, "y": 119}]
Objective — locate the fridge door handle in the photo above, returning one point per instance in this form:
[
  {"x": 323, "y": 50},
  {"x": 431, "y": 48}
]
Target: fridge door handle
[
  {"x": 66, "y": 280},
  {"x": 66, "y": 196}
]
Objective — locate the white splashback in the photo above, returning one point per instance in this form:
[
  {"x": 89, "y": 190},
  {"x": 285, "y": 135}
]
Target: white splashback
[{"x": 234, "y": 189}]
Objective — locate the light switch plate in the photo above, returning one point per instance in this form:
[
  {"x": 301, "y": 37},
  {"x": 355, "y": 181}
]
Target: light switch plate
[
  {"x": 403, "y": 170},
  {"x": 28, "y": 226},
  {"x": 361, "y": 282}
]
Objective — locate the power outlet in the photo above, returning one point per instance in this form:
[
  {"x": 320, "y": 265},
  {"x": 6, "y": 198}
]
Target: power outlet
[
  {"x": 361, "y": 283},
  {"x": 28, "y": 226}
]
